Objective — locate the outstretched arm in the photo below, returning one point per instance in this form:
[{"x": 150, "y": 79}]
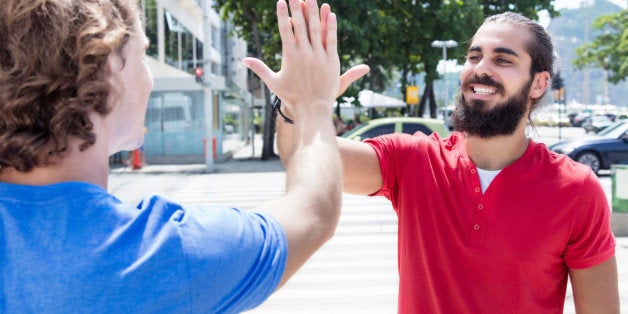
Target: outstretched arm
[
  {"x": 360, "y": 164},
  {"x": 308, "y": 81}
]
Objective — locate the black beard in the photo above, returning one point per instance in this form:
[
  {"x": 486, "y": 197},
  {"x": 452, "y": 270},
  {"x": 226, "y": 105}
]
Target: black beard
[{"x": 503, "y": 119}]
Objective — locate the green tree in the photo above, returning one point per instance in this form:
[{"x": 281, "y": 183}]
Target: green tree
[
  {"x": 609, "y": 50},
  {"x": 255, "y": 21},
  {"x": 364, "y": 37},
  {"x": 387, "y": 35},
  {"x": 448, "y": 20}
]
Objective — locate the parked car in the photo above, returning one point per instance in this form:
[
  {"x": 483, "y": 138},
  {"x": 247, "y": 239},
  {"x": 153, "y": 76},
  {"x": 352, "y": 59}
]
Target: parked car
[
  {"x": 608, "y": 147},
  {"x": 408, "y": 125},
  {"x": 580, "y": 118},
  {"x": 597, "y": 123},
  {"x": 445, "y": 114}
]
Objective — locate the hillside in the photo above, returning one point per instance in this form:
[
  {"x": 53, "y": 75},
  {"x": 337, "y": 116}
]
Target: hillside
[{"x": 571, "y": 30}]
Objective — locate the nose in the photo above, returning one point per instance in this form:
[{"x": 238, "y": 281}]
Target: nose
[{"x": 483, "y": 68}]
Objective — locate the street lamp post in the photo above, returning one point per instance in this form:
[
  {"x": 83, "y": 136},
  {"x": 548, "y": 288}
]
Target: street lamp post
[{"x": 444, "y": 44}]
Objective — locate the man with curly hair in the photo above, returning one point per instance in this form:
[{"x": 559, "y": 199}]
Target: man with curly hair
[{"x": 73, "y": 90}]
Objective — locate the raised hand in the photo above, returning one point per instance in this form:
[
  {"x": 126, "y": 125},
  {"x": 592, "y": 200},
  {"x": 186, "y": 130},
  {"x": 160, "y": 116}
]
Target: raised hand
[{"x": 310, "y": 66}]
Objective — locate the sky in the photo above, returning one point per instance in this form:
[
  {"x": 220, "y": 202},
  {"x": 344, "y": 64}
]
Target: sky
[{"x": 573, "y": 4}]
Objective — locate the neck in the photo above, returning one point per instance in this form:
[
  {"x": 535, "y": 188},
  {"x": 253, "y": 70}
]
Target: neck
[
  {"x": 497, "y": 152},
  {"x": 86, "y": 166}
]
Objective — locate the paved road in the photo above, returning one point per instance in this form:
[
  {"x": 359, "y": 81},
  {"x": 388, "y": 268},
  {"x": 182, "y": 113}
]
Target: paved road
[{"x": 355, "y": 272}]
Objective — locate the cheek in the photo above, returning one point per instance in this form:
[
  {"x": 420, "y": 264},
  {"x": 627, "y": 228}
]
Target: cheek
[
  {"x": 139, "y": 84},
  {"x": 466, "y": 72},
  {"x": 148, "y": 76}
]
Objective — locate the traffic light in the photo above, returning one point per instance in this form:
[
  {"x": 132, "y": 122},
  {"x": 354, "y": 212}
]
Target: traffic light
[
  {"x": 558, "y": 85},
  {"x": 198, "y": 72}
]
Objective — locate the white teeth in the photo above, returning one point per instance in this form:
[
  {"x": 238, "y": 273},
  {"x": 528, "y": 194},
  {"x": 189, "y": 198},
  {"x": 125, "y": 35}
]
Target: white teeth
[{"x": 484, "y": 91}]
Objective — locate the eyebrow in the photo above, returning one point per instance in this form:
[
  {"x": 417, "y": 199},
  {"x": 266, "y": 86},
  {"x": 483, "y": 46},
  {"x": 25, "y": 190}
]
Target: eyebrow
[{"x": 497, "y": 50}]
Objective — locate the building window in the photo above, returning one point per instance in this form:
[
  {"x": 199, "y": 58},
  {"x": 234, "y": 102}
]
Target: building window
[
  {"x": 216, "y": 38},
  {"x": 183, "y": 50},
  {"x": 149, "y": 8}
]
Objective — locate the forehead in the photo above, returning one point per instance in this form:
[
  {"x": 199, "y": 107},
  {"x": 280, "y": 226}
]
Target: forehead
[{"x": 499, "y": 36}]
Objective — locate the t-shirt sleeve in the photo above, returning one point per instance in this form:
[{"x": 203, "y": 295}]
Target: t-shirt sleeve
[
  {"x": 386, "y": 148},
  {"x": 393, "y": 152},
  {"x": 591, "y": 241},
  {"x": 235, "y": 257}
]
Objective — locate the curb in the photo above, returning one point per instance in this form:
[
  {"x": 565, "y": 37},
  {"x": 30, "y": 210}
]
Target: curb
[{"x": 619, "y": 224}]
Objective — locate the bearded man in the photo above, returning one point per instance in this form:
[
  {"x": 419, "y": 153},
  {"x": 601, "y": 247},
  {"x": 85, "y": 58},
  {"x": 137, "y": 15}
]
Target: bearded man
[{"x": 489, "y": 220}]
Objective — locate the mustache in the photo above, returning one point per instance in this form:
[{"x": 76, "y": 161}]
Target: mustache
[{"x": 482, "y": 80}]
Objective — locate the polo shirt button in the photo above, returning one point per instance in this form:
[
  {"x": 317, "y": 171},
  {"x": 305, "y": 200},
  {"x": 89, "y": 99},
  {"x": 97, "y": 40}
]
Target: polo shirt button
[
  {"x": 480, "y": 206},
  {"x": 477, "y": 190},
  {"x": 472, "y": 171},
  {"x": 476, "y": 227}
]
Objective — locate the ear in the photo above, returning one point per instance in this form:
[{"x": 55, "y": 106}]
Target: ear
[
  {"x": 541, "y": 82},
  {"x": 114, "y": 66}
]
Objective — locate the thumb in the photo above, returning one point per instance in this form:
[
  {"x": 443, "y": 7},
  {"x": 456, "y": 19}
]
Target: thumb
[
  {"x": 260, "y": 69},
  {"x": 352, "y": 75}
]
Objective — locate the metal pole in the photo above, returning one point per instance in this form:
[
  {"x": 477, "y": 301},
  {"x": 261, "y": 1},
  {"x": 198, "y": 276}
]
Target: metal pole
[
  {"x": 252, "y": 127},
  {"x": 445, "y": 75},
  {"x": 444, "y": 44},
  {"x": 208, "y": 96}
]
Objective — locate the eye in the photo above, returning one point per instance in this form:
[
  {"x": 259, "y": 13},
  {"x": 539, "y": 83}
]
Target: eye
[
  {"x": 503, "y": 61},
  {"x": 474, "y": 58}
]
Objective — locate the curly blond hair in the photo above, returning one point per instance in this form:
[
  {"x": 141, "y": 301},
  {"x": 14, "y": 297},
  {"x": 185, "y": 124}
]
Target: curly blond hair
[{"x": 53, "y": 73}]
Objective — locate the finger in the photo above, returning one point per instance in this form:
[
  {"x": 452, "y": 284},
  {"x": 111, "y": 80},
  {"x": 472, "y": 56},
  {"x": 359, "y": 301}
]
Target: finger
[
  {"x": 314, "y": 23},
  {"x": 298, "y": 22},
  {"x": 325, "y": 10},
  {"x": 284, "y": 23},
  {"x": 332, "y": 28},
  {"x": 305, "y": 16},
  {"x": 260, "y": 69},
  {"x": 351, "y": 76}
]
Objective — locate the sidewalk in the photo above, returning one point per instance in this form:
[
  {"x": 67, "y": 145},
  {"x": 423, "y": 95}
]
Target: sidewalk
[{"x": 241, "y": 158}]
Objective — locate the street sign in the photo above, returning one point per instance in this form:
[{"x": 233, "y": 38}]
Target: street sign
[{"x": 412, "y": 95}]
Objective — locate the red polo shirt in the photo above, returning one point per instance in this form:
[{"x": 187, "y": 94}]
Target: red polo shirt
[{"x": 507, "y": 250}]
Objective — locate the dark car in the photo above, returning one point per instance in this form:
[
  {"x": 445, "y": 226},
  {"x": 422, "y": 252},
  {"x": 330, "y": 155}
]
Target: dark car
[{"x": 609, "y": 147}]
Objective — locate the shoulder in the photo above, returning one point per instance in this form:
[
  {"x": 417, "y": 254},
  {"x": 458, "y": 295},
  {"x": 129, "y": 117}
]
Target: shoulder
[
  {"x": 209, "y": 221},
  {"x": 556, "y": 165},
  {"x": 221, "y": 243}
]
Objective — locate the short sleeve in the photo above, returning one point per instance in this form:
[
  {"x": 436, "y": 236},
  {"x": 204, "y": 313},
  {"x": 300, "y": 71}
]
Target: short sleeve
[
  {"x": 236, "y": 257},
  {"x": 591, "y": 241},
  {"x": 390, "y": 152}
]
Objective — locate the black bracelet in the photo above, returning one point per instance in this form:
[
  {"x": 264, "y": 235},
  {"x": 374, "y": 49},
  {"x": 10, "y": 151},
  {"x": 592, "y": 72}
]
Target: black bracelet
[{"x": 277, "y": 107}]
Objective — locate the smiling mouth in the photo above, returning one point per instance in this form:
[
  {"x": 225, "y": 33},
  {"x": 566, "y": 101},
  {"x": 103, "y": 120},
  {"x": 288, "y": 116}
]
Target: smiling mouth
[{"x": 484, "y": 90}]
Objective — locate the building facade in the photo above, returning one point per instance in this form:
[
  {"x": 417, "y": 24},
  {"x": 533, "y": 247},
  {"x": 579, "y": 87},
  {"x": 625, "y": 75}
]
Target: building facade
[{"x": 189, "y": 115}]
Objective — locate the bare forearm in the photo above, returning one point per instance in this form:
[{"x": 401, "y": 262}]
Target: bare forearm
[
  {"x": 309, "y": 152},
  {"x": 285, "y": 140},
  {"x": 308, "y": 81},
  {"x": 310, "y": 209}
]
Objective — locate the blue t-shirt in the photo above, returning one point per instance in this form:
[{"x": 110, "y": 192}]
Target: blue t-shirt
[{"x": 74, "y": 248}]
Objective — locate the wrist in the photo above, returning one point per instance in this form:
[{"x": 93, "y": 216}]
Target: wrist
[
  {"x": 277, "y": 108},
  {"x": 311, "y": 110}
]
